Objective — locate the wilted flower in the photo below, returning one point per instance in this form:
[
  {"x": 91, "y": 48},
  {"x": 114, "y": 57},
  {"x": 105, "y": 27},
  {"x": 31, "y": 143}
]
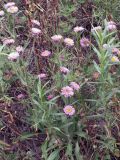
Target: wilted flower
[
  {"x": 42, "y": 75},
  {"x": 35, "y": 22},
  {"x": 67, "y": 91},
  {"x": 75, "y": 86},
  {"x": 69, "y": 42},
  {"x": 115, "y": 50},
  {"x": 12, "y": 9},
  {"x": 84, "y": 42},
  {"x": 64, "y": 70},
  {"x": 35, "y": 31},
  {"x": 45, "y": 53},
  {"x": 9, "y": 4},
  {"x": 8, "y": 41},
  {"x": 19, "y": 49},
  {"x": 69, "y": 110},
  {"x": 13, "y": 56},
  {"x": 78, "y": 29},
  {"x": 98, "y": 28},
  {"x": 114, "y": 59},
  {"x": 57, "y": 38},
  {"x": 2, "y": 13}
]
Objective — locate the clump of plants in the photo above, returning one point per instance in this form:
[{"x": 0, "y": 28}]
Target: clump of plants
[{"x": 69, "y": 88}]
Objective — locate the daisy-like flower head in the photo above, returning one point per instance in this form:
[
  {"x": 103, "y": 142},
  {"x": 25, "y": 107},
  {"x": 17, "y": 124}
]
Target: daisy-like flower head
[
  {"x": 36, "y": 22},
  {"x": 69, "y": 110},
  {"x": 42, "y": 75},
  {"x": 8, "y": 41},
  {"x": 57, "y": 38},
  {"x": 12, "y": 9},
  {"x": 69, "y": 42},
  {"x": 75, "y": 86},
  {"x": 98, "y": 28},
  {"x": 84, "y": 42},
  {"x": 64, "y": 70},
  {"x": 13, "y": 56},
  {"x": 9, "y": 4},
  {"x": 35, "y": 31},
  {"x": 2, "y": 13},
  {"x": 45, "y": 53},
  {"x": 67, "y": 91},
  {"x": 114, "y": 59},
  {"x": 78, "y": 29},
  {"x": 19, "y": 49}
]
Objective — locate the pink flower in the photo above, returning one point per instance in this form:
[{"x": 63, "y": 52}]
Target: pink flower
[
  {"x": 84, "y": 42},
  {"x": 8, "y": 41},
  {"x": 69, "y": 42},
  {"x": 9, "y": 4},
  {"x": 12, "y": 9},
  {"x": 20, "y": 96},
  {"x": 19, "y": 49},
  {"x": 64, "y": 70},
  {"x": 42, "y": 75},
  {"x": 57, "y": 38},
  {"x": 35, "y": 31},
  {"x": 45, "y": 53},
  {"x": 35, "y": 22},
  {"x": 111, "y": 26},
  {"x": 69, "y": 110},
  {"x": 2, "y": 13},
  {"x": 75, "y": 86},
  {"x": 67, "y": 91},
  {"x": 13, "y": 56},
  {"x": 50, "y": 97},
  {"x": 78, "y": 29}
]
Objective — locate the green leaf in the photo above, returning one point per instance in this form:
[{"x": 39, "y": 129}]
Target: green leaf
[
  {"x": 97, "y": 66},
  {"x": 77, "y": 152},
  {"x": 54, "y": 155}
]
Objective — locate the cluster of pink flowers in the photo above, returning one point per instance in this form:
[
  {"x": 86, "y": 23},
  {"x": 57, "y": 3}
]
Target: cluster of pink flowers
[{"x": 68, "y": 91}]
